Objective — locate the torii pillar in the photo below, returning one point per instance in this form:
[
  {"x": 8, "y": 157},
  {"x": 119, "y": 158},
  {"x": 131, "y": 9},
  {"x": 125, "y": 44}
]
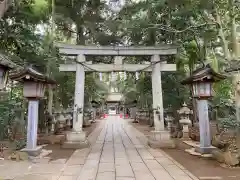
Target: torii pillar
[
  {"x": 76, "y": 139},
  {"x": 160, "y": 137}
]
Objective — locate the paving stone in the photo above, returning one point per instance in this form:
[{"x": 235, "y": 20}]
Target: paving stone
[
  {"x": 31, "y": 177},
  {"x": 156, "y": 153},
  {"x": 68, "y": 178},
  {"x": 106, "y": 176},
  {"x": 144, "y": 176},
  {"x": 145, "y": 154},
  {"x": 161, "y": 174},
  {"x": 76, "y": 161},
  {"x": 153, "y": 164},
  {"x": 124, "y": 171},
  {"x": 125, "y": 178},
  {"x": 164, "y": 161},
  {"x": 184, "y": 177},
  {"x": 139, "y": 167},
  {"x": 88, "y": 174},
  {"x": 106, "y": 167},
  {"x": 73, "y": 170},
  {"x": 46, "y": 168},
  {"x": 121, "y": 161}
]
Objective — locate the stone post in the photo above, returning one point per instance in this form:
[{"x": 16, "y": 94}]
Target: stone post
[
  {"x": 77, "y": 138},
  {"x": 205, "y": 137},
  {"x": 32, "y": 128},
  {"x": 157, "y": 94}
]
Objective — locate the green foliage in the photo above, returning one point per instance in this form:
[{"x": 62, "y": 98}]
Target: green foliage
[
  {"x": 40, "y": 7},
  {"x": 229, "y": 122},
  {"x": 9, "y": 110}
]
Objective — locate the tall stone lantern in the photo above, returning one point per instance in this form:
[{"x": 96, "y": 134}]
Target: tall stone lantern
[
  {"x": 184, "y": 113},
  {"x": 94, "y": 104},
  {"x": 169, "y": 117},
  {"x": 201, "y": 82},
  {"x": 34, "y": 84}
]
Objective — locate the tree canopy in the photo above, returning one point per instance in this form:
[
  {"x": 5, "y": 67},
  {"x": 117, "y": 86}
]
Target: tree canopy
[{"x": 205, "y": 31}]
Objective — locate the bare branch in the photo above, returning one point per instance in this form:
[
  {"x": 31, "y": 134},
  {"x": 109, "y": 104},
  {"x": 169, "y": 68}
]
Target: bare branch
[{"x": 190, "y": 28}]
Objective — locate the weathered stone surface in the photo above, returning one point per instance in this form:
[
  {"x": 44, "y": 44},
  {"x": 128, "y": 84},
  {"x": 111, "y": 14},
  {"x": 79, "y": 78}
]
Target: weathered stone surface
[
  {"x": 161, "y": 144},
  {"x": 218, "y": 155},
  {"x": 75, "y": 145},
  {"x": 161, "y": 140},
  {"x": 231, "y": 158},
  {"x": 51, "y": 139}
]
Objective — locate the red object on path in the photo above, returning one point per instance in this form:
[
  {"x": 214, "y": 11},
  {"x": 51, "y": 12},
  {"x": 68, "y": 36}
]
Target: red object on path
[
  {"x": 126, "y": 116},
  {"x": 120, "y": 115},
  {"x": 105, "y": 116}
]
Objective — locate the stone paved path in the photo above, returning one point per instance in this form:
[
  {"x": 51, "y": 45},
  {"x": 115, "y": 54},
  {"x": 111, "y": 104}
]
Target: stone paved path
[{"x": 119, "y": 153}]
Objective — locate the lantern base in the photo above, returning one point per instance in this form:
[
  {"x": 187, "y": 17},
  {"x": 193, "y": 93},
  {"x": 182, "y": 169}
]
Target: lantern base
[
  {"x": 33, "y": 152},
  {"x": 161, "y": 139},
  {"x": 204, "y": 150},
  {"x": 75, "y": 140}
]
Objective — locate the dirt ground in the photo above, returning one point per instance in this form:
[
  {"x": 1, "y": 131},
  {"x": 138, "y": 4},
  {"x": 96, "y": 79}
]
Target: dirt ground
[
  {"x": 202, "y": 168},
  {"x": 59, "y": 153}
]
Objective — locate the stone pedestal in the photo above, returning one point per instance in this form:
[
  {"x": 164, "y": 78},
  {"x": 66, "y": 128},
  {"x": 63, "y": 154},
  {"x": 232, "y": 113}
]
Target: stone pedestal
[
  {"x": 204, "y": 150},
  {"x": 185, "y": 132},
  {"x": 205, "y": 137},
  {"x": 75, "y": 140},
  {"x": 86, "y": 122},
  {"x": 161, "y": 139},
  {"x": 32, "y": 149}
]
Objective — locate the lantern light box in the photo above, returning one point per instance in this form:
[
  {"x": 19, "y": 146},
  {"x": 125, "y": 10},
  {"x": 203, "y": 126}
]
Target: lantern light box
[{"x": 201, "y": 81}]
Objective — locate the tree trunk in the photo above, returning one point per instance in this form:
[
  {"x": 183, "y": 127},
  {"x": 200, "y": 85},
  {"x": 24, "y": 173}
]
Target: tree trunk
[
  {"x": 4, "y": 5},
  {"x": 235, "y": 43},
  {"x": 222, "y": 36}
]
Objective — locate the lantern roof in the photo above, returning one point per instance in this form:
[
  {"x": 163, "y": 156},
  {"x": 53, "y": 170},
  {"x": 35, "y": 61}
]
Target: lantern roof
[
  {"x": 130, "y": 103},
  {"x": 234, "y": 66},
  {"x": 185, "y": 110},
  {"x": 205, "y": 73},
  {"x": 30, "y": 74},
  {"x": 95, "y": 103},
  {"x": 6, "y": 62}
]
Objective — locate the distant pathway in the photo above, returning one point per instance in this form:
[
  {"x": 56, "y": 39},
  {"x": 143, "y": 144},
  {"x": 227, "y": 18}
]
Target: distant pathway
[{"x": 118, "y": 153}]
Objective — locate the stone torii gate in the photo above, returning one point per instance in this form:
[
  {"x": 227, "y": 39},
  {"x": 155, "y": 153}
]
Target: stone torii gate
[{"x": 156, "y": 68}]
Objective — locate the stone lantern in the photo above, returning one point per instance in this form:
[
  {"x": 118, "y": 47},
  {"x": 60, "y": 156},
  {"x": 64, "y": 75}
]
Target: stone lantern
[
  {"x": 133, "y": 111},
  {"x": 34, "y": 84},
  {"x": 185, "y": 121},
  {"x": 94, "y": 106},
  {"x": 201, "y": 82},
  {"x": 69, "y": 117},
  {"x": 169, "y": 117},
  {"x": 61, "y": 122}
]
